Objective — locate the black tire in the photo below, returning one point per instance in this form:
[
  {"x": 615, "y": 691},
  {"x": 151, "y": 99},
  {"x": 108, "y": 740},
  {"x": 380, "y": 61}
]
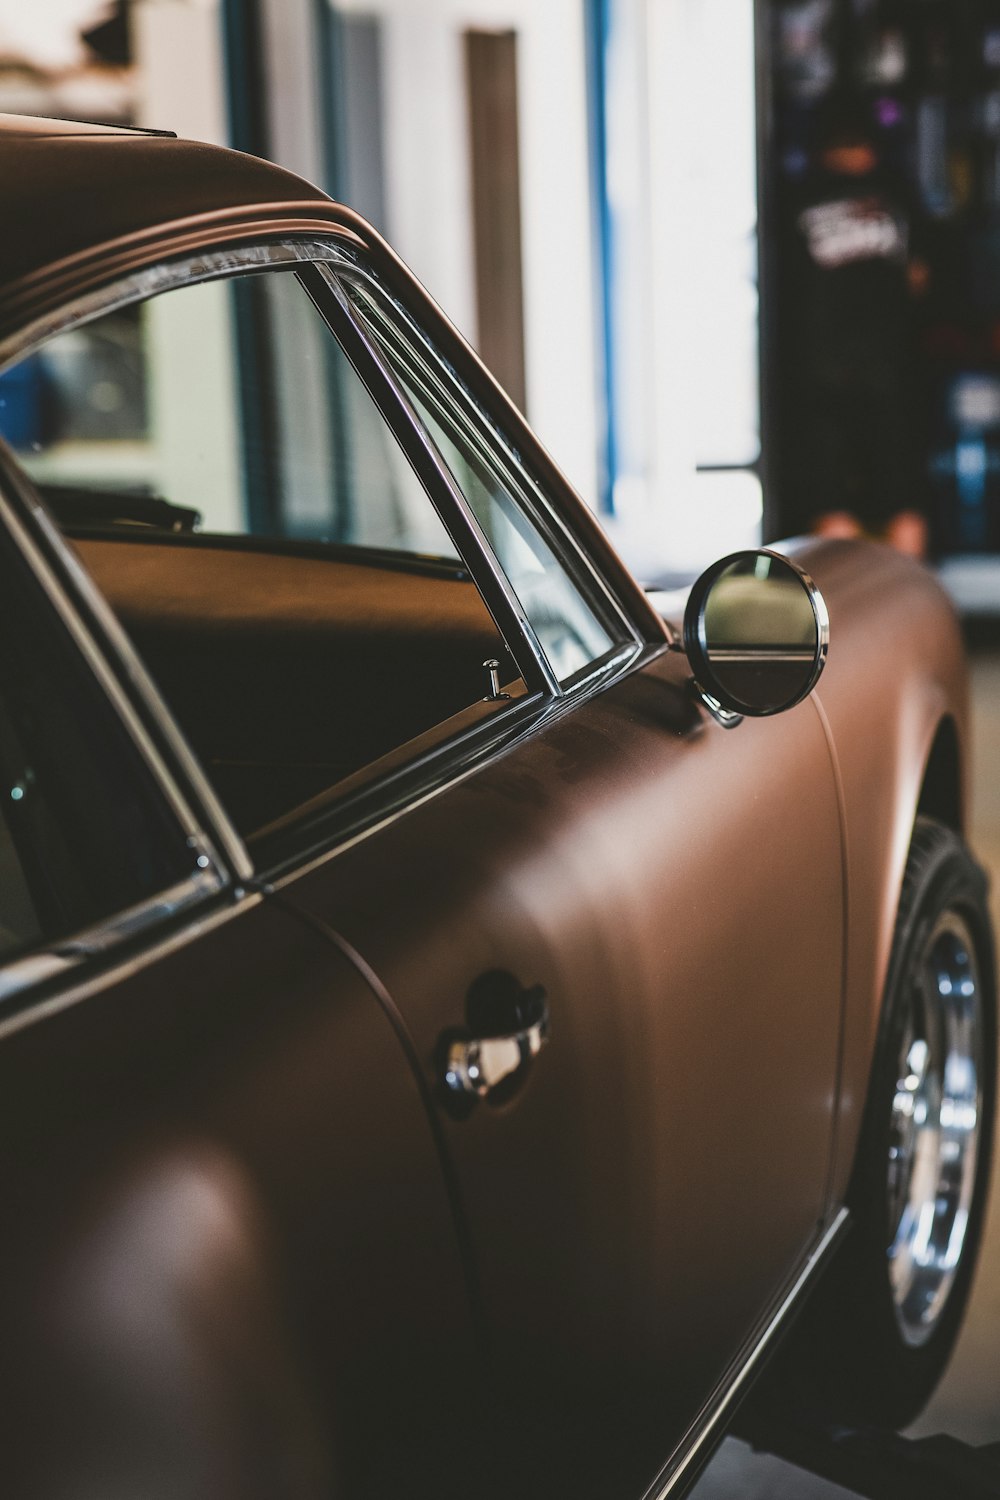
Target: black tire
[{"x": 887, "y": 1315}]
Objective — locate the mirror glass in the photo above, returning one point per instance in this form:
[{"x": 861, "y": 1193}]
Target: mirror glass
[{"x": 759, "y": 633}]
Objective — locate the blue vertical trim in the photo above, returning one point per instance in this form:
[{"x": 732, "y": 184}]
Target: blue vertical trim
[
  {"x": 259, "y": 429},
  {"x": 246, "y": 109},
  {"x": 597, "y": 22},
  {"x": 333, "y": 122},
  {"x": 246, "y": 94}
]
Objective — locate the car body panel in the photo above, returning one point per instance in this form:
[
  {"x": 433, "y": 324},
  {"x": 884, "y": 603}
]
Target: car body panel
[
  {"x": 178, "y": 1262},
  {"x": 896, "y": 673},
  {"x": 628, "y": 1223}
]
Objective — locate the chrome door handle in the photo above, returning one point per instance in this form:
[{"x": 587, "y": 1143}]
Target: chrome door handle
[
  {"x": 478, "y": 1065},
  {"x": 475, "y": 1065}
]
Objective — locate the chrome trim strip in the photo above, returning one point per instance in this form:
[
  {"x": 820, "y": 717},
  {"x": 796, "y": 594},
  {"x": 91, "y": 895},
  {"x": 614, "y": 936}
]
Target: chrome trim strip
[
  {"x": 295, "y": 252},
  {"x": 135, "y": 919},
  {"x": 555, "y": 708},
  {"x": 133, "y": 668},
  {"x": 608, "y": 666},
  {"x": 500, "y": 455},
  {"x": 117, "y": 973},
  {"x": 498, "y": 593},
  {"x": 63, "y": 958},
  {"x": 95, "y": 658},
  {"x": 694, "y": 1449},
  {"x": 139, "y": 286}
]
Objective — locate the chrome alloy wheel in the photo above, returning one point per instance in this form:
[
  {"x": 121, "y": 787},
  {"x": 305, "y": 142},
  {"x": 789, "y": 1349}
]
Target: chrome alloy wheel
[{"x": 934, "y": 1128}]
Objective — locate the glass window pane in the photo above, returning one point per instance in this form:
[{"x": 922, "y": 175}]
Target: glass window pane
[
  {"x": 262, "y": 537},
  {"x": 568, "y": 630},
  {"x": 229, "y": 400}
]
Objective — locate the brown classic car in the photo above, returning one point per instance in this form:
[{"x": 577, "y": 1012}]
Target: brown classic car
[{"x": 447, "y": 1021}]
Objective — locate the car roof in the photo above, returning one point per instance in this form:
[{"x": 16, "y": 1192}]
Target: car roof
[{"x": 73, "y": 193}]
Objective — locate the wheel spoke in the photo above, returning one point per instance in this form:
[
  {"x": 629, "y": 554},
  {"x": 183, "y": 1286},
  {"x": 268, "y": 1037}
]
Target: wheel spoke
[{"x": 934, "y": 1128}]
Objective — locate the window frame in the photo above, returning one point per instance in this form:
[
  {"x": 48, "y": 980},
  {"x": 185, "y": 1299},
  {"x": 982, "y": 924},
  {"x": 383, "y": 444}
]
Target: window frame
[
  {"x": 435, "y": 476},
  {"x": 67, "y": 959},
  {"x": 499, "y": 456},
  {"x": 313, "y": 257}
]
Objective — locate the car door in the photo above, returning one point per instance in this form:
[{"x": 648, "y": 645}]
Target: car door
[
  {"x": 638, "y": 1193},
  {"x": 228, "y": 1248}
]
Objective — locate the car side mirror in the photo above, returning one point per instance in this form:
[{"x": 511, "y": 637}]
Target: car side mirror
[{"x": 756, "y": 632}]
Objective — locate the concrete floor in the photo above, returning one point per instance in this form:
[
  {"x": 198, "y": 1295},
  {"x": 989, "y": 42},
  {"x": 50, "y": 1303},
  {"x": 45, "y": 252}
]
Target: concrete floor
[
  {"x": 736, "y": 1472},
  {"x": 966, "y": 1405}
]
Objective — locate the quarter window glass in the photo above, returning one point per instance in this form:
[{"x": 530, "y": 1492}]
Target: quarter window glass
[{"x": 568, "y": 630}]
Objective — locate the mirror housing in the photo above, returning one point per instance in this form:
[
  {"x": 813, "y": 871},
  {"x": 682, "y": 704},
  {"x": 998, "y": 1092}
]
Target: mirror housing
[{"x": 756, "y": 633}]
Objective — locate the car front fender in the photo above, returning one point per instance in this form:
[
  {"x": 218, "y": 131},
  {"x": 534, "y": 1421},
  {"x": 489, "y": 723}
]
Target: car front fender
[{"x": 896, "y": 673}]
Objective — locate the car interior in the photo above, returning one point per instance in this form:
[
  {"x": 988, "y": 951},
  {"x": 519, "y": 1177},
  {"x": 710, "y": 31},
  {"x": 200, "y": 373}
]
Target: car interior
[{"x": 292, "y": 667}]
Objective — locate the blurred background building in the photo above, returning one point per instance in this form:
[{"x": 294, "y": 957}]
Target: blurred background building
[
  {"x": 574, "y": 181},
  {"x": 918, "y": 83},
  {"x": 609, "y": 198}
]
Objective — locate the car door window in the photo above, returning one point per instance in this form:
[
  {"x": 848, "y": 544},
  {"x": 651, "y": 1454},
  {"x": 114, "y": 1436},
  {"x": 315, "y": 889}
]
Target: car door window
[
  {"x": 265, "y": 540},
  {"x": 572, "y": 631},
  {"x": 85, "y": 836},
  {"x": 223, "y": 406}
]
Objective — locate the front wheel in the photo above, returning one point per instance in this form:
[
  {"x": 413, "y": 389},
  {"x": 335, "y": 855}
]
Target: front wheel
[{"x": 894, "y": 1303}]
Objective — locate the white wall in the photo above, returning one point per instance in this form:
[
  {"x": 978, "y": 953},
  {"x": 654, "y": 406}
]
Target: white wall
[
  {"x": 428, "y": 191},
  {"x": 700, "y": 291},
  {"x": 682, "y": 181},
  {"x": 180, "y": 70},
  {"x": 194, "y": 414}
]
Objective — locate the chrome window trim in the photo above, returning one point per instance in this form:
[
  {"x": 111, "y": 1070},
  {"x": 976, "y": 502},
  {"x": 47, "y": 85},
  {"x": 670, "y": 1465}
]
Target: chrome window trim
[
  {"x": 207, "y": 878},
  {"x": 45, "y": 576},
  {"x": 299, "y": 253},
  {"x": 224, "y": 835},
  {"x": 165, "y": 276},
  {"x": 64, "y": 959},
  {"x": 346, "y": 819},
  {"x": 500, "y": 455},
  {"x": 444, "y": 492},
  {"x": 339, "y": 249},
  {"x": 19, "y": 1009},
  {"x": 525, "y": 717}
]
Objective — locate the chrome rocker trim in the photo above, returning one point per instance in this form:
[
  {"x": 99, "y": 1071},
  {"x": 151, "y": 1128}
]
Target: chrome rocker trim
[{"x": 696, "y": 1446}]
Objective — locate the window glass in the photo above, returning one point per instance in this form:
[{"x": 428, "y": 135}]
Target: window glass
[
  {"x": 229, "y": 401},
  {"x": 83, "y": 835},
  {"x": 568, "y": 630},
  {"x": 253, "y": 521}
]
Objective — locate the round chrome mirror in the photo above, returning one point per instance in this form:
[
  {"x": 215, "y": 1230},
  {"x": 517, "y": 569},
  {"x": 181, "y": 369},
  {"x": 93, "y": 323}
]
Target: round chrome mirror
[{"x": 756, "y": 632}]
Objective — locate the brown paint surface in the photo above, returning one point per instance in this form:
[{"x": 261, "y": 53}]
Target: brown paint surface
[
  {"x": 228, "y": 1254},
  {"x": 663, "y": 1169}
]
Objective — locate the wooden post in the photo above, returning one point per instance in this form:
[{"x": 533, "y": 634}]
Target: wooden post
[{"x": 491, "y": 78}]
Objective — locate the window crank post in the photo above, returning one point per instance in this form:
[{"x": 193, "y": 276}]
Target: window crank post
[{"x": 493, "y": 668}]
